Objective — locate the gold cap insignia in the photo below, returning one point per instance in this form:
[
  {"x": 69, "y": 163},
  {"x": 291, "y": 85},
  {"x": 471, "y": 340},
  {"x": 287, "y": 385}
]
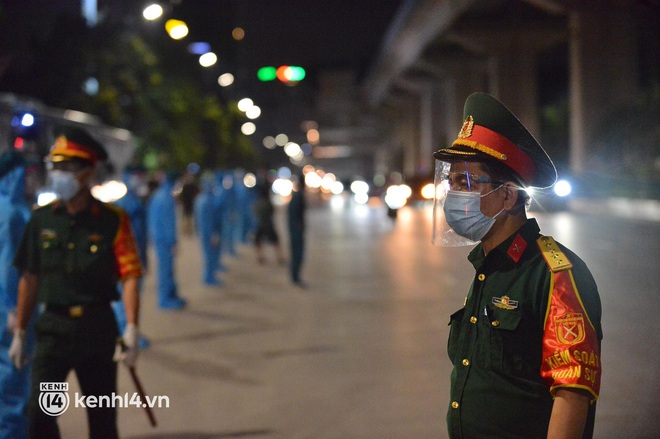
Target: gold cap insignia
[
  {"x": 466, "y": 130},
  {"x": 60, "y": 143}
]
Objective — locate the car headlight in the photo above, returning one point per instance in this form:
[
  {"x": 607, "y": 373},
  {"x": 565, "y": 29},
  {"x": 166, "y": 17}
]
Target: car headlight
[{"x": 562, "y": 188}]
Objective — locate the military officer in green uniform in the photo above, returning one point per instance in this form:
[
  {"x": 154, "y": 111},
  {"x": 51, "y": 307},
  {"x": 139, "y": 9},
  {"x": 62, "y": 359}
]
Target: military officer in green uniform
[
  {"x": 73, "y": 252},
  {"x": 525, "y": 346}
]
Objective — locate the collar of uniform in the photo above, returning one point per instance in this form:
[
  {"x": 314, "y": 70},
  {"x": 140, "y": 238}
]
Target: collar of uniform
[
  {"x": 57, "y": 205},
  {"x": 93, "y": 207},
  {"x": 511, "y": 250}
]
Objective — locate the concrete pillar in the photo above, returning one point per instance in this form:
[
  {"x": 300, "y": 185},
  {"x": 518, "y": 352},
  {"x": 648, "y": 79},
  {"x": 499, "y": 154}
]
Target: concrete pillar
[
  {"x": 411, "y": 137},
  {"x": 426, "y": 130},
  {"x": 405, "y": 135},
  {"x": 512, "y": 71},
  {"x": 453, "y": 109},
  {"x": 455, "y": 90},
  {"x": 603, "y": 70}
]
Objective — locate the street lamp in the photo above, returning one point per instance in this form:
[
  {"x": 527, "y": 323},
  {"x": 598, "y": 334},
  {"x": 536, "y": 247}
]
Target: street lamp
[
  {"x": 176, "y": 29},
  {"x": 248, "y": 128},
  {"x": 152, "y": 12},
  {"x": 208, "y": 59},
  {"x": 244, "y": 104},
  {"x": 253, "y": 112},
  {"x": 225, "y": 80}
]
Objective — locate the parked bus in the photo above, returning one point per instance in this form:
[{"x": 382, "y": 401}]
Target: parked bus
[{"x": 26, "y": 125}]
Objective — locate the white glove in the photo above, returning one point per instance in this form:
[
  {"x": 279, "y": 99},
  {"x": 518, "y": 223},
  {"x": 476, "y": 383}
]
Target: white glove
[
  {"x": 11, "y": 320},
  {"x": 127, "y": 348},
  {"x": 17, "y": 349}
]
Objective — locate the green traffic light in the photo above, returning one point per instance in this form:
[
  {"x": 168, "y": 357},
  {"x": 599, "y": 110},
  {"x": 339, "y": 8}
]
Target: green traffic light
[
  {"x": 296, "y": 73},
  {"x": 267, "y": 73}
]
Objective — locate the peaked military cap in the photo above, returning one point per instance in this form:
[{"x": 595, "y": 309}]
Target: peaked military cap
[
  {"x": 76, "y": 143},
  {"x": 491, "y": 131}
]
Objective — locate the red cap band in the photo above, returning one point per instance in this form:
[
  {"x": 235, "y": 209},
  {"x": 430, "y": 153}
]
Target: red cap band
[
  {"x": 65, "y": 147},
  {"x": 495, "y": 145}
]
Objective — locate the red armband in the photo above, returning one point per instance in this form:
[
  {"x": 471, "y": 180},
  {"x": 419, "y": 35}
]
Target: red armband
[
  {"x": 126, "y": 253},
  {"x": 571, "y": 350}
]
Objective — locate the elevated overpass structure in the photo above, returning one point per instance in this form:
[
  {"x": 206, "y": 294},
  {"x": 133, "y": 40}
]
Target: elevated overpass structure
[{"x": 563, "y": 67}]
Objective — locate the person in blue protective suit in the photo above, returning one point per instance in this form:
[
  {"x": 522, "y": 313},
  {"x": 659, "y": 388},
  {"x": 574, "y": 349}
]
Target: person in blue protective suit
[
  {"x": 137, "y": 214},
  {"x": 242, "y": 222},
  {"x": 222, "y": 201},
  {"x": 162, "y": 232},
  {"x": 209, "y": 228},
  {"x": 248, "y": 224},
  {"x": 231, "y": 214},
  {"x": 251, "y": 195},
  {"x": 14, "y": 215}
]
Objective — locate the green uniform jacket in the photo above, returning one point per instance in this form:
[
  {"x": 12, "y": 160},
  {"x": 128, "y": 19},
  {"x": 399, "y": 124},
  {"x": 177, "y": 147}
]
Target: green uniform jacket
[
  {"x": 496, "y": 342},
  {"x": 80, "y": 258}
]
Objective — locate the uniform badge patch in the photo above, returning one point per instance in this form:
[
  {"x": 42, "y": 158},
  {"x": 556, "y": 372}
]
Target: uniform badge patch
[
  {"x": 570, "y": 328},
  {"x": 505, "y": 302},
  {"x": 48, "y": 234}
]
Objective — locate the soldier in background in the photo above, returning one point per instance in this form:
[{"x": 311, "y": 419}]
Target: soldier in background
[
  {"x": 189, "y": 191},
  {"x": 296, "y": 222},
  {"x": 73, "y": 253},
  {"x": 265, "y": 232}
]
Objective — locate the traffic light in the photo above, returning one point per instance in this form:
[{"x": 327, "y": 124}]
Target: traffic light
[
  {"x": 286, "y": 74},
  {"x": 266, "y": 74}
]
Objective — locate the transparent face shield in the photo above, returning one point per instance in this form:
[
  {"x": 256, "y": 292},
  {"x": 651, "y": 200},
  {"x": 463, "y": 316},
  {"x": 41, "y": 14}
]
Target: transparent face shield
[{"x": 461, "y": 222}]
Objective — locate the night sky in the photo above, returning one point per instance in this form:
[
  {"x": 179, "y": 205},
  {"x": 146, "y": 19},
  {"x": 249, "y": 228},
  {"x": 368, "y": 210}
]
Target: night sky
[
  {"x": 318, "y": 35},
  {"x": 312, "y": 33}
]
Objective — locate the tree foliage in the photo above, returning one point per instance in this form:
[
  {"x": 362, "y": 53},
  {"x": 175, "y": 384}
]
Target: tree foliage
[
  {"x": 177, "y": 119},
  {"x": 147, "y": 84}
]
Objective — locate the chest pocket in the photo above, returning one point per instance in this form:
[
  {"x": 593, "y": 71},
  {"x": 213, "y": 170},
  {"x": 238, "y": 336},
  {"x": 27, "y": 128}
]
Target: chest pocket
[
  {"x": 51, "y": 252},
  {"x": 454, "y": 333},
  {"x": 505, "y": 341},
  {"x": 93, "y": 253}
]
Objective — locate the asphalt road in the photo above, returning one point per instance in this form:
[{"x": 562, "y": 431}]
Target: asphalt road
[{"x": 361, "y": 352}]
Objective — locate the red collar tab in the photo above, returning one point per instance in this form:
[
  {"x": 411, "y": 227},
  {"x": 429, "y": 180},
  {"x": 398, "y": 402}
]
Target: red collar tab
[
  {"x": 517, "y": 248},
  {"x": 95, "y": 208}
]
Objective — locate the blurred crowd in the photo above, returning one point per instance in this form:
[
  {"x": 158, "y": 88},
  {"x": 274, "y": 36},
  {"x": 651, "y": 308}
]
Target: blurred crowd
[{"x": 221, "y": 209}]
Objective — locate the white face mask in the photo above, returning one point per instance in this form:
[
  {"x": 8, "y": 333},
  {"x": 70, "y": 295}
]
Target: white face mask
[
  {"x": 64, "y": 184},
  {"x": 463, "y": 214}
]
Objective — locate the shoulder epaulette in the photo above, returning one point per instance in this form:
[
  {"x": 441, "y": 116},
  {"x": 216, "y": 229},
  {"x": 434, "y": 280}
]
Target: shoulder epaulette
[{"x": 555, "y": 258}]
